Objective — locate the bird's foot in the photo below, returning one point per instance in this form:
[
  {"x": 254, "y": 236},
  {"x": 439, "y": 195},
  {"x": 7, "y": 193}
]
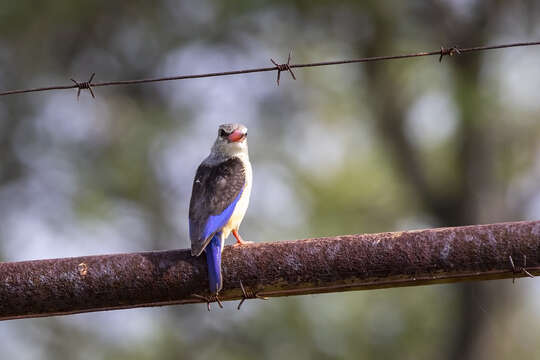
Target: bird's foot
[
  {"x": 242, "y": 242},
  {"x": 239, "y": 240},
  {"x": 248, "y": 294},
  {"x": 209, "y": 299}
]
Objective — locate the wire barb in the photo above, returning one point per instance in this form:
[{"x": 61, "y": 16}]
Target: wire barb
[
  {"x": 449, "y": 51},
  {"x": 248, "y": 294},
  {"x": 84, "y": 85},
  {"x": 518, "y": 270},
  {"x": 209, "y": 299},
  {"x": 283, "y": 67}
]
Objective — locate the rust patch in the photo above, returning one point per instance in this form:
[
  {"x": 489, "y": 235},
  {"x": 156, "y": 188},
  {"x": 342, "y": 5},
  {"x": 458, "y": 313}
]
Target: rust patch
[{"x": 83, "y": 269}]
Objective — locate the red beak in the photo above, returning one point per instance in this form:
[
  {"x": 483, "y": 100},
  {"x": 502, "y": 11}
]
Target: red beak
[{"x": 236, "y": 135}]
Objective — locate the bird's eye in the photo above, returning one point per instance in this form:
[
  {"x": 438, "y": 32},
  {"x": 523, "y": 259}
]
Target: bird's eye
[{"x": 222, "y": 133}]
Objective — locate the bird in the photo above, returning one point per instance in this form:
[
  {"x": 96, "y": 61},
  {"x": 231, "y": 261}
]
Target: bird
[{"x": 219, "y": 199}]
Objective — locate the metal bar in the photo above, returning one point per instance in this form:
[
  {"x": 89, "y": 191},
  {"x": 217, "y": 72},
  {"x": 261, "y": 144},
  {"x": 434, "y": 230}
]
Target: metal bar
[{"x": 331, "y": 264}]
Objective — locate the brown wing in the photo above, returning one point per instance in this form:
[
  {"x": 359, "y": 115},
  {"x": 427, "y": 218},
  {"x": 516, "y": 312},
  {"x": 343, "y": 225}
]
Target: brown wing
[{"x": 216, "y": 189}]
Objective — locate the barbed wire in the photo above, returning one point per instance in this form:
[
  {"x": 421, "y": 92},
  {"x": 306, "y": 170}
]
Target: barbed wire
[{"x": 88, "y": 85}]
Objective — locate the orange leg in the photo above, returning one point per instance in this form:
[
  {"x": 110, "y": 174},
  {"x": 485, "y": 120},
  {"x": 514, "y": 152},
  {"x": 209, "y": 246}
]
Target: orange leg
[{"x": 239, "y": 240}]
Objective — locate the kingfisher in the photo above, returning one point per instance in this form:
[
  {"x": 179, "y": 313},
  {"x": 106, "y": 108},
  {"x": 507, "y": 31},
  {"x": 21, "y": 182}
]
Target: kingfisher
[{"x": 220, "y": 198}]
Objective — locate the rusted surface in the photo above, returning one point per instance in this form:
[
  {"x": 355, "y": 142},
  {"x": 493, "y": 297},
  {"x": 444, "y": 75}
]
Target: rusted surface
[{"x": 351, "y": 262}]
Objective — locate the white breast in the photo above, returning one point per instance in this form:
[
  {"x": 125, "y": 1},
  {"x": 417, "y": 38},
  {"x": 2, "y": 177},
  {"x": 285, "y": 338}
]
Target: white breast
[{"x": 242, "y": 204}]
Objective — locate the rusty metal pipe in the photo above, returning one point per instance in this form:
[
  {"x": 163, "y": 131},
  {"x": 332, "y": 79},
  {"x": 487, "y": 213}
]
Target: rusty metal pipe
[{"x": 332, "y": 264}]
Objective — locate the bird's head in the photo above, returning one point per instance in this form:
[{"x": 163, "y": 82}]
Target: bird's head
[{"x": 231, "y": 141}]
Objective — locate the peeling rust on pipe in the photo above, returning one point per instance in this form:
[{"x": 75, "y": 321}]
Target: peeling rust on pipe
[{"x": 332, "y": 264}]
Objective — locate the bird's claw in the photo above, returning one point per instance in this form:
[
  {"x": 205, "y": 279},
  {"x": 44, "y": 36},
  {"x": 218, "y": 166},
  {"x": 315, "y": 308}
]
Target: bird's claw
[
  {"x": 248, "y": 294},
  {"x": 209, "y": 299},
  {"x": 243, "y": 242},
  {"x": 239, "y": 240}
]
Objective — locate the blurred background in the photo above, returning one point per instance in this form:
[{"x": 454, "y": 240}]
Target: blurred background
[{"x": 346, "y": 149}]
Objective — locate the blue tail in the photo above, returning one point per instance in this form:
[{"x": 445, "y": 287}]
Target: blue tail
[{"x": 213, "y": 259}]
